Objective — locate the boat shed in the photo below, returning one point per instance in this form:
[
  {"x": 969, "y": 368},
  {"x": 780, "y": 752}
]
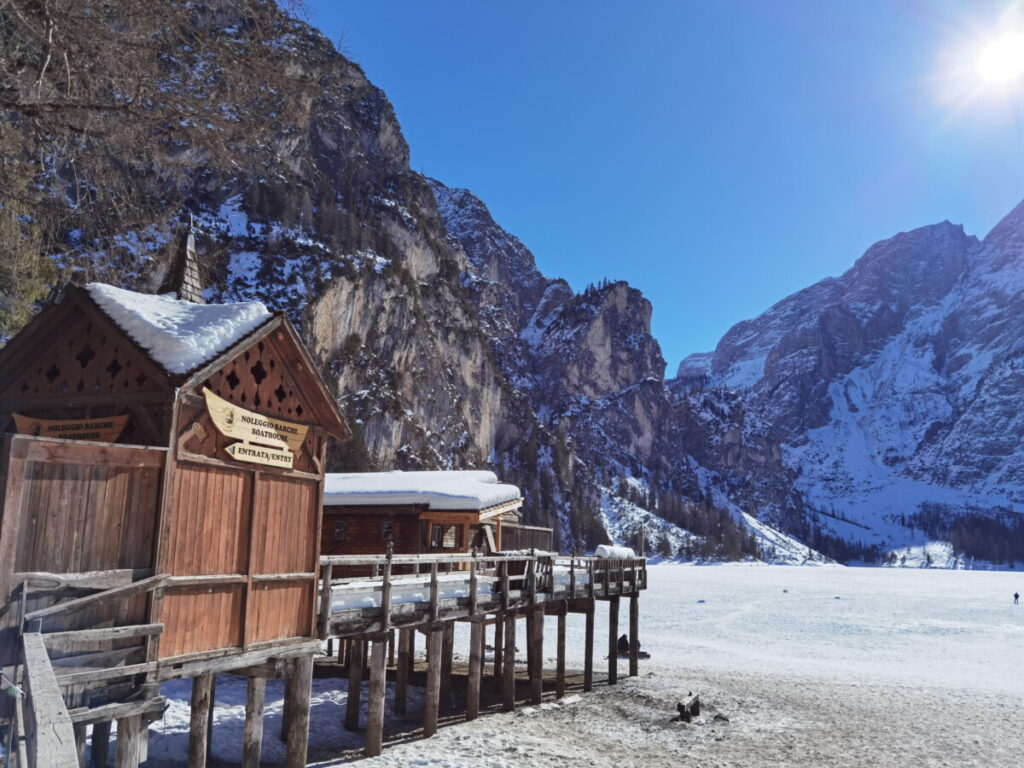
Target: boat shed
[
  {"x": 439, "y": 512},
  {"x": 161, "y": 479}
]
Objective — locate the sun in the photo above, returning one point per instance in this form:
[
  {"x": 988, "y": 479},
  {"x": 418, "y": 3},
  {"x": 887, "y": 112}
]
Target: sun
[{"x": 1002, "y": 60}]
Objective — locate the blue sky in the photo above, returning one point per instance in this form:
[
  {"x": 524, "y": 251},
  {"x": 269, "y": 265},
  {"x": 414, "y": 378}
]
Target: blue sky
[{"x": 717, "y": 155}]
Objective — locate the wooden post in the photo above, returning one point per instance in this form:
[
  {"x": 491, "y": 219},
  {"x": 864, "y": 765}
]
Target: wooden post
[
  {"x": 405, "y": 641},
  {"x": 80, "y": 741},
  {"x": 634, "y": 635},
  {"x": 391, "y": 647},
  {"x": 199, "y": 723},
  {"x": 378, "y": 687},
  {"x": 301, "y": 686},
  {"x": 434, "y": 642},
  {"x": 286, "y": 705},
  {"x": 252, "y": 736},
  {"x": 330, "y": 646},
  {"x": 100, "y": 744},
  {"x": 209, "y": 718},
  {"x": 535, "y": 641},
  {"x": 560, "y": 655},
  {"x": 324, "y": 615},
  {"x": 613, "y": 640},
  {"x": 508, "y": 678},
  {"x": 356, "y": 662},
  {"x": 588, "y": 650},
  {"x": 130, "y": 733},
  {"x": 447, "y": 651},
  {"x": 499, "y": 649},
  {"x": 476, "y": 663}
]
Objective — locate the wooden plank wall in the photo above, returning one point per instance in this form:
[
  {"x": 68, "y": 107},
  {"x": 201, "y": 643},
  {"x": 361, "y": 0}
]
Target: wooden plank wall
[
  {"x": 207, "y": 535},
  {"x": 82, "y": 507},
  {"x": 283, "y": 542}
]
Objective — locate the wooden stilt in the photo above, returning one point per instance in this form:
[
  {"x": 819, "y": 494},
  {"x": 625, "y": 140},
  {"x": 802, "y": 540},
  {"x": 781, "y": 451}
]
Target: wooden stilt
[
  {"x": 378, "y": 687},
  {"x": 286, "y": 705},
  {"x": 535, "y": 635},
  {"x": 412, "y": 651},
  {"x": 252, "y": 736},
  {"x": 356, "y": 665},
  {"x": 508, "y": 670},
  {"x": 80, "y": 742},
  {"x": 391, "y": 648},
  {"x": 199, "y": 723},
  {"x": 447, "y": 650},
  {"x": 330, "y": 646},
  {"x": 560, "y": 653},
  {"x": 499, "y": 649},
  {"x": 588, "y": 651},
  {"x": 476, "y": 663},
  {"x": 434, "y": 643},
  {"x": 301, "y": 685},
  {"x": 209, "y": 718},
  {"x": 634, "y": 635},
  {"x": 129, "y": 737},
  {"x": 343, "y": 651},
  {"x": 100, "y": 744},
  {"x": 405, "y": 640},
  {"x": 613, "y": 640}
]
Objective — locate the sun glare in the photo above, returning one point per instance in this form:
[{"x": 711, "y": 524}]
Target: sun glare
[{"x": 1002, "y": 60}]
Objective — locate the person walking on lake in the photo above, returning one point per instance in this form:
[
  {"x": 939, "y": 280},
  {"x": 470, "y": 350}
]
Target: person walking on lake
[{"x": 1016, "y": 598}]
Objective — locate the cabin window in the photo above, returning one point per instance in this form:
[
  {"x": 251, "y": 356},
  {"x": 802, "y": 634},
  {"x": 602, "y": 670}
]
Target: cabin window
[
  {"x": 340, "y": 527},
  {"x": 387, "y": 530},
  {"x": 444, "y": 536}
]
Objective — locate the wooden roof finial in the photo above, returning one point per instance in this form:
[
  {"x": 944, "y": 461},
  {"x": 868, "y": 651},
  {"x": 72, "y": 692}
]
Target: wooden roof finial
[{"x": 183, "y": 277}]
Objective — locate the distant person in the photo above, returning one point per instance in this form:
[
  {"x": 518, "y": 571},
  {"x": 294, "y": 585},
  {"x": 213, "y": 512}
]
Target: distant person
[
  {"x": 1016, "y": 599},
  {"x": 623, "y": 645}
]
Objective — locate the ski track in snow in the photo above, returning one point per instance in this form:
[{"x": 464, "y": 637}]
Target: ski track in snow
[{"x": 813, "y": 667}]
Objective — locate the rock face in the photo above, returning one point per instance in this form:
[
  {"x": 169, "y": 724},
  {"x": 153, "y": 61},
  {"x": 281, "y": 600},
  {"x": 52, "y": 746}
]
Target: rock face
[{"x": 892, "y": 390}]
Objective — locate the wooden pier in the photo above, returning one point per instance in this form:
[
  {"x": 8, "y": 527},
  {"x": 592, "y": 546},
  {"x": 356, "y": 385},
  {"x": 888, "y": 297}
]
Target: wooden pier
[{"x": 403, "y": 594}]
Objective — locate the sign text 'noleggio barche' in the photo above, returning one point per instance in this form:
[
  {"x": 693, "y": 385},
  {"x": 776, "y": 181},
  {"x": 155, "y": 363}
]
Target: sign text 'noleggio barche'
[
  {"x": 102, "y": 430},
  {"x": 265, "y": 440}
]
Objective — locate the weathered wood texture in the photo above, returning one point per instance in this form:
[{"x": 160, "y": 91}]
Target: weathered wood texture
[
  {"x": 49, "y": 732},
  {"x": 613, "y": 641},
  {"x": 375, "y": 711},
  {"x": 252, "y": 737},
  {"x": 432, "y": 701},
  {"x": 73, "y": 508},
  {"x": 634, "y": 635},
  {"x": 300, "y": 683},
  {"x": 476, "y": 643},
  {"x": 199, "y": 722},
  {"x": 356, "y": 671}
]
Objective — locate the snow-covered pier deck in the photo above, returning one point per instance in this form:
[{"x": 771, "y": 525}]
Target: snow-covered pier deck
[{"x": 399, "y": 595}]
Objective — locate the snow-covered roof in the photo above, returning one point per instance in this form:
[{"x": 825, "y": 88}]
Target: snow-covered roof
[
  {"x": 466, "y": 489},
  {"x": 179, "y": 335}
]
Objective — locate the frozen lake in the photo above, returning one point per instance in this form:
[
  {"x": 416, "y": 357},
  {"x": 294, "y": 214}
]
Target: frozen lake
[{"x": 920, "y": 667}]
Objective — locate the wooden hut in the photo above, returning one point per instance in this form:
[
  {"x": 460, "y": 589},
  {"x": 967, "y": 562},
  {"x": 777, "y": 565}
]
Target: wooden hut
[
  {"x": 164, "y": 463},
  {"x": 417, "y": 512}
]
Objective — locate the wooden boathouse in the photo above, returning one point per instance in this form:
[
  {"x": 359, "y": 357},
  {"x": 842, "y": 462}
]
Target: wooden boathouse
[
  {"x": 453, "y": 512},
  {"x": 162, "y": 479},
  {"x": 162, "y": 475}
]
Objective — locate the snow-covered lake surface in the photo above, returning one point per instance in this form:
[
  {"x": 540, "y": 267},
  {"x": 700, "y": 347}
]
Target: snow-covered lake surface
[{"x": 813, "y": 667}]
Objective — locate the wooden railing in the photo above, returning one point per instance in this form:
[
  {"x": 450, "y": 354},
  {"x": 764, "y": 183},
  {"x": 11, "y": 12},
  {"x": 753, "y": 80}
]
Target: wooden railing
[
  {"x": 512, "y": 582},
  {"x": 48, "y": 732}
]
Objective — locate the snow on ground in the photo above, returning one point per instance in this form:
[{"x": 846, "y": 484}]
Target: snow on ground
[{"x": 812, "y": 666}]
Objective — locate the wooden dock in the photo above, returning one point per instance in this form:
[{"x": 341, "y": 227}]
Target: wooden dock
[{"x": 378, "y": 615}]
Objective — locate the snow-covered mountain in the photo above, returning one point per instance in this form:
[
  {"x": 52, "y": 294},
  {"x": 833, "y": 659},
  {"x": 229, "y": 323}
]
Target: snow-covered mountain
[{"x": 893, "y": 391}]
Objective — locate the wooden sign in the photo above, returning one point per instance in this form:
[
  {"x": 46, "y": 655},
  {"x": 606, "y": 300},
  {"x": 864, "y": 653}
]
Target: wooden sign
[
  {"x": 102, "y": 430},
  {"x": 258, "y": 454},
  {"x": 265, "y": 440},
  {"x": 240, "y": 424}
]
